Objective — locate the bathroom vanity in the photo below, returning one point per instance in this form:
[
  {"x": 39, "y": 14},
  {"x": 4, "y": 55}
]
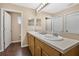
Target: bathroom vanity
[{"x": 41, "y": 45}]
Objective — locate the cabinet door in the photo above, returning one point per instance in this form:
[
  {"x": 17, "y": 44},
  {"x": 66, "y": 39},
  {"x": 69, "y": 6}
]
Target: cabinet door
[
  {"x": 73, "y": 52},
  {"x": 47, "y": 50},
  {"x": 37, "y": 47},
  {"x": 31, "y": 43}
]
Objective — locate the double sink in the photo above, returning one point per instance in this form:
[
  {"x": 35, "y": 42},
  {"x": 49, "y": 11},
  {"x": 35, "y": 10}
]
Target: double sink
[{"x": 54, "y": 37}]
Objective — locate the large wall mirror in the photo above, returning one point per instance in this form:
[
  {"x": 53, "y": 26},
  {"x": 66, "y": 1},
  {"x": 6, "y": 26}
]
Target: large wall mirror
[{"x": 68, "y": 24}]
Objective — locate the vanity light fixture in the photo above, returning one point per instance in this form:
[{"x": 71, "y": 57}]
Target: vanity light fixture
[{"x": 41, "y": 6}]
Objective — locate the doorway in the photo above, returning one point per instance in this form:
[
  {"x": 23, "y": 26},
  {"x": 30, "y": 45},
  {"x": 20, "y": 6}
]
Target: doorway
[
  {"x": 11, "y": 28},
  {"x": 16, "y": 27}
]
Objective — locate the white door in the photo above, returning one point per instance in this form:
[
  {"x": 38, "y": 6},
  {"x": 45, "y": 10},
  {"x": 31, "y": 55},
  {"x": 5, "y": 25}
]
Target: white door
[{"x": 7, "y": 31}]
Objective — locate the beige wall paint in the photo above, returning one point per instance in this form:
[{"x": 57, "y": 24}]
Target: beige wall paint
[
  {"x": 27, "y": 13},
  {"x": 64, "y": 13},
  {"x": 15, "y": 27}
]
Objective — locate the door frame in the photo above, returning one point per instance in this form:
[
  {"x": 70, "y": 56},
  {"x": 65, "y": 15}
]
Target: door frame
[{"x": 2, "y": 25}]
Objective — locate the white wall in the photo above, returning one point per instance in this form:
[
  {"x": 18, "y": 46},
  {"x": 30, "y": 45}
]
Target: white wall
[{"x": 0, "y": 29}]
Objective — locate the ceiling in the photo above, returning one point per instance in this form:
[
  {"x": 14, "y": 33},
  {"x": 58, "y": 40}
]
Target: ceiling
[
  {"x": 29, "y": 5},
  {"x": 57, "y": 7},
  {"x": 50, "y": 8}
]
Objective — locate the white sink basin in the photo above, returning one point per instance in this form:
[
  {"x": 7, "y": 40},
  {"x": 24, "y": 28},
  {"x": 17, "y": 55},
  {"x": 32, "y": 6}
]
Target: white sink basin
[
  {"x": 52, "y": 37},
  {"x": 42, "y": 33}
]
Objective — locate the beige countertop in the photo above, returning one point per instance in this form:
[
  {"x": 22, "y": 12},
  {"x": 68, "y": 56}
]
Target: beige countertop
[
  {"x": 71, "y": 35},
  {"x": 60, "y": 45}
]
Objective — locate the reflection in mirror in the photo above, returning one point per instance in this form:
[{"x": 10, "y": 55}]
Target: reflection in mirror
[{"x": 72, "y": 23}]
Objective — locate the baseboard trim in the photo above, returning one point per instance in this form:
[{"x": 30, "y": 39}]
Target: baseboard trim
[
  {"x": 24, "y": 46},
  {"x": 16, "y": 41},
  {"x": 1, "y": 50}
]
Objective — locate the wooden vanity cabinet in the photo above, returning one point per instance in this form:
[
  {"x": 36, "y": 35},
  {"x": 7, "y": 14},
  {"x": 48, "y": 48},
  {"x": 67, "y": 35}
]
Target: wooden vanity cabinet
[{"x": 39, "y": 48}]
